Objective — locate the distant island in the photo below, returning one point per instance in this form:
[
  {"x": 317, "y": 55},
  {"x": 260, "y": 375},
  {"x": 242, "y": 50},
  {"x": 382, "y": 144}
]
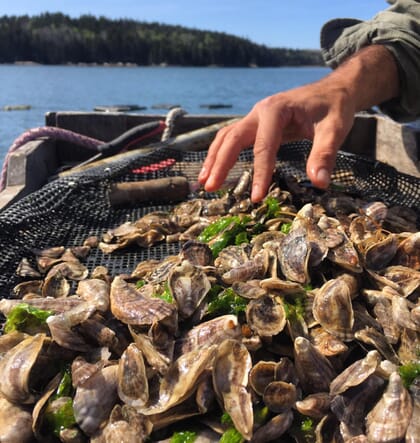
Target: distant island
[{"x": 55, "y": 38}]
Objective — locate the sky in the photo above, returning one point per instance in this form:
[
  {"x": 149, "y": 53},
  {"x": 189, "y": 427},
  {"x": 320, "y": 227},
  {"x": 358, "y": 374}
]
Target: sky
[{"x": 274, "y": 23}]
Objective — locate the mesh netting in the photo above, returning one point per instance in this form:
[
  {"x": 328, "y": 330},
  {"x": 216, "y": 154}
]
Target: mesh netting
[{"x": 68, "y": 210}]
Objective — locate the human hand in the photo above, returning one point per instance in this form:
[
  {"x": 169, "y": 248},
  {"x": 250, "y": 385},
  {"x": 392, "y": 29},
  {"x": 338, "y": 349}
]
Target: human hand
[
  {"x": 319, "y": 111},
  {"x": 322, "y": 111}
]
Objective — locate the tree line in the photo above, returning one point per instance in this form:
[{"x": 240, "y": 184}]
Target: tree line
[{"x": 55, "y": 38}]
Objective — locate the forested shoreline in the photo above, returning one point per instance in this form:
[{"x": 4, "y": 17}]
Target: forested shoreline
[{"x": 54, "y": 38}]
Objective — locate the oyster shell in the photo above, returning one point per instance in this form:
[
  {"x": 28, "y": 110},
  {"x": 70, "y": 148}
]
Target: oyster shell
[
  {"x": 62, "y": 325},
  {"x": 314, "y": 405},
  {"x": 133, "y": 386},
  {"x": 180, "y": 381},
  {"x": 333, "y": 309},
  {"x": 408, "y": 252},
  {"x": 251, "y": 269},
  {"x": 205, "y": 334},
  {"x": 315, "y": 371},
  {"x": 188, "y": 285},
  {"x": 413, "y": 430},
  {"x": 126, "y": 425},
  {"x": 401, "y": 314},
  {"x": 400, "y": 278},
  {"x": 279, "y": 396},
  {"x": 351, "y": 406},
  {"x": 356, "y": 373},
  {"x": 137, "y": 306},
  {"x": 96, "y": 292},
  {"x": 230, "y": 379},
  {"x": 274, "y": 428},
  {"x": 16, "y": 379},
  {"x": 266, "y": 316},
  {"x": 95, "y": 398},
  {"x": 341, "y": 250},
  {"x": 15, "y": 422},
  {"x": 379, "y": 254},
  {"x": 198, "y": 254},
  {"x": 389, "y": 419}
]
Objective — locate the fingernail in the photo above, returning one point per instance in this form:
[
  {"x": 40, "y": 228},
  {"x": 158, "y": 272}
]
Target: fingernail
[
  {"x": 323, "y": 178},
  {"x": 202, "y": 173},
  {"x": 256, "y": 193}
]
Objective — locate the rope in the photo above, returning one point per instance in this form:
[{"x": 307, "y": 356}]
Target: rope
[
  {"x": 171, "y": 116},
  {"x": 46, "y": 131},
  {"x": 73, "y": 137}
]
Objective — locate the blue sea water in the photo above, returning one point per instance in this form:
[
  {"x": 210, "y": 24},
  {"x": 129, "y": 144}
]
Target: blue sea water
[{"x": 82, "y": 88}]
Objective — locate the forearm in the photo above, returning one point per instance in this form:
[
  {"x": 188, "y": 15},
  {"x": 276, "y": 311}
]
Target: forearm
[
  {"x": 398, "y": 30},
  {"x": 368, "y": 78}
]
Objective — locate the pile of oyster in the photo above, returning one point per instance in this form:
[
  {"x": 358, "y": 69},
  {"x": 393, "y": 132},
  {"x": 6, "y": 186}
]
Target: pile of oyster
[{"x": 296, "y": 319}]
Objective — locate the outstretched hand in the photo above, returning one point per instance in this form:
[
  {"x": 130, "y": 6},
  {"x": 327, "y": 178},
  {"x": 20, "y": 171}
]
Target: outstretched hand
[
  {"x": 322, "y": 111},
  {"x": 310, "y": 112}
]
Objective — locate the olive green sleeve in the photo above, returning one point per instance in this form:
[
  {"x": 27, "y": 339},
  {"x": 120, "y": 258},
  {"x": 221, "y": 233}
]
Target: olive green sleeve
[{"x": 398, "y": 29}]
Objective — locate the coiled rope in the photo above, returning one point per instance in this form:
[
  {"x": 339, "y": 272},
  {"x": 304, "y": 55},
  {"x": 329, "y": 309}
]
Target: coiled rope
[
  {"x": 46, "y": 132},
  {"x": 75, "y": 138}
]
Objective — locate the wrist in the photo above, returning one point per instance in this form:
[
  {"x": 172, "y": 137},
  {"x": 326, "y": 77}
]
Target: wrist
[{"x": 368, "y": 78}]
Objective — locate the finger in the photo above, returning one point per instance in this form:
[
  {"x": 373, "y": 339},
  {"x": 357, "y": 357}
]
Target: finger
[
  {"x": 267, "y": 143},
  {"x": 211, "y": 155},
  {"x": 329, "y": 136},
  {"x": 224, "y": 152}
]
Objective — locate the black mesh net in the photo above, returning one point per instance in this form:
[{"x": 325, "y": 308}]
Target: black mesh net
[{"x": 68, "y": 210}]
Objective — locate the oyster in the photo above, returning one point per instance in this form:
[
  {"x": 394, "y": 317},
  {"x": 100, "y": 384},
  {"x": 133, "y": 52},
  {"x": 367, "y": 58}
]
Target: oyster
[
  {"x": 95, "y": 398},
  {"x": 341, "y": 250},
  {"x": 198, "y": 254},
  {"x": 389, "y": 419},
  {"x": 356, "y": 373},
  {"x": 180, "y": 380},
  {"x": 315, "y": 371},
  {"x": 124, "y": 424},
  {"x": 15, "y": 422},
  {"x": 379, "y": 254},
  {"x": 402, "y": 279},
  {"x": 333, "y": 309},
  {"x": 231, "y": 257},
  {"x": 251, "y": 269},
  {"x": 314, "y": 405},
  {"x": 294, "y": 257},
  {"x": 261, "y": 375},
  {"x": 62, "y": 325},
  {"x": 266, "y": 316},
  {"x": 55, "y": 285},
  {"x": 133, "y": 387},
  {"x": 205, "y": 334},
  {"x": 413, "y": 430},
  {"x": 188, "y": 285},
  {"x": 16, "y": 379},
  {"x": 137, "y": 306},
  {"x": 372, "y": 337},
  {"x": 279, "y": 396},
  {"x": 351, "y": 406},
  {"x": 408, "y": 252},
  {"x": 326, "y": 343},
  {"x": 25, "y": 269},
  {"x": 383, "y": 310},
  {"x": 230, "y": 379},
  {"x": 274, "y": 428},
  {"x": 401, "y": 314},
  {"x": 157, "y": 359},
  {"x": 96, "y": 292}
]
